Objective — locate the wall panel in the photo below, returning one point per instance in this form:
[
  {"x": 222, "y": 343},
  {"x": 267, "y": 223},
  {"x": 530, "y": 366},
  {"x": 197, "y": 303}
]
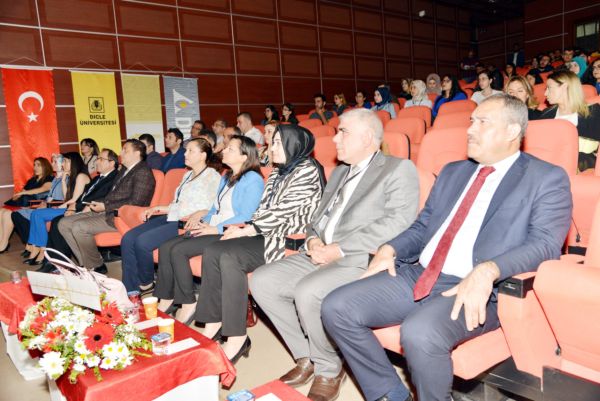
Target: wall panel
[{"x": 244, "y": 53}]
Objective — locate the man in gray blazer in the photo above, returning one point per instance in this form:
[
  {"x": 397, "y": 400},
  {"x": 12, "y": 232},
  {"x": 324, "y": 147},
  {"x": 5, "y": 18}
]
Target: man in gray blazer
[
  {"x": 367, "y": 201},
  {"x": 486, "y": 219}
]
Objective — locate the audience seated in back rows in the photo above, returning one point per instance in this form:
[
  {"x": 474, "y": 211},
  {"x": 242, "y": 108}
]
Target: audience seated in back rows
[
  {"x": 451, "y": 91},
  {"x": 153, "y": 159},
  {"x": 383, "y": 101},
  {"x": 418, "y": 95},
  {"x": 244, "y": 123},
  {"x": 175, "y": 156},
  {"x": 321, "y": 113}
]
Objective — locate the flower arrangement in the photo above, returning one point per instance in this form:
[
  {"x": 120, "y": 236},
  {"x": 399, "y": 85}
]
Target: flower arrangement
[{"x": 75, "y": 338}]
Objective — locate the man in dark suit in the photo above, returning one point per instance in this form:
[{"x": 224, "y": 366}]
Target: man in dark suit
[
  {"x": 134, "y": 185},
  {"x": 365, "y": 203},
  {"x": 486, "y": 219},
  {"x": 107, "y": 164}
]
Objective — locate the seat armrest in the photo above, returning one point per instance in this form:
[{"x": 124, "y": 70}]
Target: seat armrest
[
  {"x": 517, "y": 286},
  {"x": 294, "y": 242}
]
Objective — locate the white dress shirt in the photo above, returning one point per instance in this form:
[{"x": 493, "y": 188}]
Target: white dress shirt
[
  {"x": 348, "y": 190},
  {"x": 255, "y": 134},
  {"x": 459, "y": 261}
]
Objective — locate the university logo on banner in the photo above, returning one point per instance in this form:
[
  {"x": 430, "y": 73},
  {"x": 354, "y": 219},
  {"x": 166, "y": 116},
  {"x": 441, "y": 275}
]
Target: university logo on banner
[
  {"x": 31, "y": 113},
  {"x": 181, "y": 103},
  {"x": 96, "y": 108},
  {"x": 143, "y": 114}
]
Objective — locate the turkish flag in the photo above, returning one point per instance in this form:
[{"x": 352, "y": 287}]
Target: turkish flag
[{"x": 31, "y": 112}]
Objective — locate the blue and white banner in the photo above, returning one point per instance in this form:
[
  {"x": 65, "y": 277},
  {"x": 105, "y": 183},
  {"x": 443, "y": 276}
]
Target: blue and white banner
[{"x": 181, "y": 103}]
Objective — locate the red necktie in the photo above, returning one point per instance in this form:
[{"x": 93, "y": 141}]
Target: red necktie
[{"x": 425, "y": 283}]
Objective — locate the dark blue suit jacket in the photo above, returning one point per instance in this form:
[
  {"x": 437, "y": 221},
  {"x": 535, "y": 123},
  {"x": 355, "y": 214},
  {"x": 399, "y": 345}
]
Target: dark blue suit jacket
[
  {"x": 172, "y": 161},
  {"x": 526, "y": 223}
]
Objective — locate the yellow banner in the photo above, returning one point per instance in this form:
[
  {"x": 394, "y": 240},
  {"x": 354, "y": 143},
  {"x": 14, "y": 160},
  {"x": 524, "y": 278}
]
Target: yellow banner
[
  {"x": 143, "y": 114},
  {"x": 96, "y": 108}
]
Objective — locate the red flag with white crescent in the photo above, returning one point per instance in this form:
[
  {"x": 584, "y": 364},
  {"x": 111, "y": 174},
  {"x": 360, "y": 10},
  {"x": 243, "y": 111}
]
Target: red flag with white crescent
[{"x": 31, "y": 113}]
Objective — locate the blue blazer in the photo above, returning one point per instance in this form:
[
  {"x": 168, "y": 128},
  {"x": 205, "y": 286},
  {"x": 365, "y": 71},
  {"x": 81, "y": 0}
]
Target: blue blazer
[
  {"x": 246, "y": 198},
  {"x": 526, "y": 223}
]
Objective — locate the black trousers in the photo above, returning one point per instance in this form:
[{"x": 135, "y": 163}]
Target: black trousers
[
  {"x": 224, "y": 289},
  {"x": 174, "y": 277},
  {"x": 56, "y": 240},
  {"x": 21, "y": 226}
]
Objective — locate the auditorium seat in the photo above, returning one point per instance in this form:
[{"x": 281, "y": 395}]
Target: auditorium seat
[
  {"x": 412, "y": 127},
  {"x": 589, "y": 91},
  {"x": 586, "y": 193},
  {"x": 453, "y": 120},
  {"x": 113, "y": 238},
  {"x": 593, "y": 100},
  {"x": 325, "y": 151},
  {"x": 302, "y": 117},
  {"x": 334, "y": 122},
  {"x": 422, "y": 112},
  {"x": 311, "y": 123},
  {"x": 522, "y": 71},
  {"x": 544, "y": 76},
  {"x": 432, "y": 97},
  {"x": 553, "y": 328},
  {"x": 397, "y": 144},
  {"x": 555, "y": 141},
  {"x": 323, "y": 130},
  {"x": 261, "y": 128},
  {"x": 131, "y": 216},
  {"x": 539, "y": 91},
  {"x": 442, "y": 146},
  {"x": 399, "y": 105},
  {"x": 457, "y": 106},
  {"x": 384, "y": 116}
]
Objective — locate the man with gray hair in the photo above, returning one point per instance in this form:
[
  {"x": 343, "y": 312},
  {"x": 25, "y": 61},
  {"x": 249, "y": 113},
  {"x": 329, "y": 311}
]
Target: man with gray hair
[
  {"x": 500, "y": 213},
  {"x": 368, "y": 200}
]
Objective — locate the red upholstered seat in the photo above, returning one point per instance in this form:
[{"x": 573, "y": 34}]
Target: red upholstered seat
[
  {"x": 323, "y": 130},
  {"x": 441, "y": 146},
  {"x": 457, "y": 106},
  {"x": 452, "y": 120},
  {"x": 412, "y": 127},
  {"x": 397, "y": 144},
  {"x": 589, "y": 91},
  {"x": 311, "y": 123},
  {"x": 325, "y": 151},
  {"x": 555, "y": 141},
  {"x": 422, "y": 112},
  {"x": 469, "y": 359}
]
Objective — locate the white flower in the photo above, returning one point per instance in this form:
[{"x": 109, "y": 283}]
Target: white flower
[
  {"x": 79, "y": 367},
  {"x": 37, "y": 342},
  {"x": 52, "y": 364},
  {"x": 109, "y": 363},
  {"x": 80, "y": 347},
  {"x": 92, "y": 361}
]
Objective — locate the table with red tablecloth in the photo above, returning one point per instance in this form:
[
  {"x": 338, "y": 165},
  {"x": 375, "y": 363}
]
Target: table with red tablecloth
[
  {"x": 147, "y": 378},
  {"x": 281, "y": 390}
]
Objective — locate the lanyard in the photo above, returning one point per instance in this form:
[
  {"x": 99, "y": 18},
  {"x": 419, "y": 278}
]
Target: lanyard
[
  {"x": 188, "y": 179},
  {"x": 221, "y": 197}
]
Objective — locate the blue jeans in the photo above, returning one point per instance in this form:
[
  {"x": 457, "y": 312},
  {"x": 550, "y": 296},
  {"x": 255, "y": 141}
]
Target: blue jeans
[
  {"x": 137, "y": 246},
  {"x": 38, "y": 235}
]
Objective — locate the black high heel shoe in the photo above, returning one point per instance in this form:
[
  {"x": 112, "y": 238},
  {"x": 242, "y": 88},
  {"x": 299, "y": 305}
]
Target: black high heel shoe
[
  {"x": 5, "y": 249},
  {"x": 218, "y": 337},
  {"x": 244, "y": 351},
  {"x": 33, "y": 262}
]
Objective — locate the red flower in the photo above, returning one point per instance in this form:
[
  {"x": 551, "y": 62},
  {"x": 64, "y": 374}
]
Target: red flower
[
  {"x": 98, "y": 335},
  {"x": 40, "y": 322},
  {"x": 110, "y": 314}
]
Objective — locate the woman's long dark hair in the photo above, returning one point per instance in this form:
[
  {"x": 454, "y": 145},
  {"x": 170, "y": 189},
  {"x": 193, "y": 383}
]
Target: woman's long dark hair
[
  {"x": 77, "y": 167},
  {"x": 455, "y": 89},
  {"x": 252, "y": 163},
  {"x": 92, "y": 144},
  {"x": 275, "y": 115},
  {"x": 588, "y": 76},
  {"x": 46, "y": 169},
  {"x": 292, "y": 117},
  {"x": 211, "y": 159}
]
